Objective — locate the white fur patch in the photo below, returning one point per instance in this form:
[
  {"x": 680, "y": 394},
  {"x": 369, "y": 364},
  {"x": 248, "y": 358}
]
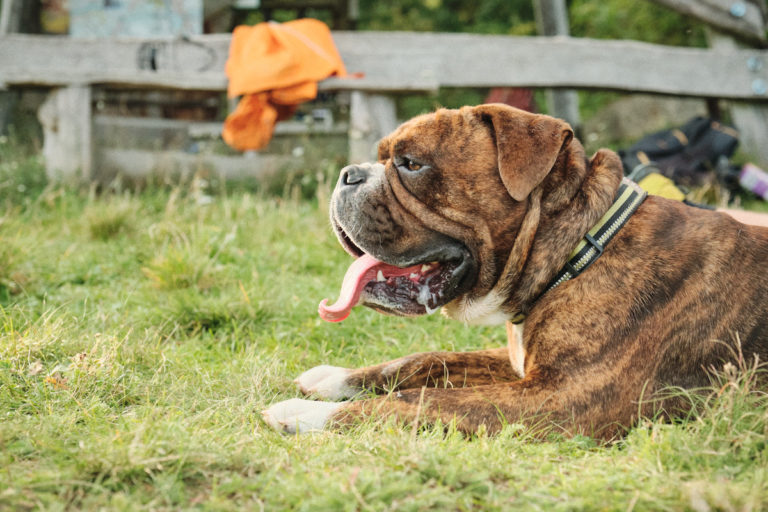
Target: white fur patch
[
  {"x": 517, "y": 351},
  {"x": 297, "y": 416},
  {"x": 483, "y": 311},
  {"x": 326, "y": 381}
]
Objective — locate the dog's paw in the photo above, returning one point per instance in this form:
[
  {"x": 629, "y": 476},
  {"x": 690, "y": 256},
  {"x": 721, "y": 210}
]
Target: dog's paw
[
  {"x": 297, "y": 416},
  {"x": 328, "y": 382}
]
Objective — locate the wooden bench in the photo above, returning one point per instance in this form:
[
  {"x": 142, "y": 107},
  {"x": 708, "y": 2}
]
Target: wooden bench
[{"x": 392, "y": 62}]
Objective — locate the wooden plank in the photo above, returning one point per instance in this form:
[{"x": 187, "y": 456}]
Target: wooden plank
[
  {"x": 212, "y": 129},
  {"x": 57, "y": 60},
  {"x": 380, "y": 81},
  {"x": 195, "y": 63},
  {"x": 469, "y": 60},
  {"x": 405, "y": 60},
  {"x": 136, "y": 164},
  {"x": 552, "y": 20},
  {"x": 742, "y": 18}
]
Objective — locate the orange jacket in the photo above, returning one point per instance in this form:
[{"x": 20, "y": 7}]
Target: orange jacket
[{"x": 275, "y": 66}]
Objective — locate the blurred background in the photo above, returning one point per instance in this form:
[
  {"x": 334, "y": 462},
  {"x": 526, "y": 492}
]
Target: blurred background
[{"x": 158, "y": 117}]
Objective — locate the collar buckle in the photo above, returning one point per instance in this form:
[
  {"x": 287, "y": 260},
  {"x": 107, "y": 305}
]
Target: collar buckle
[
  {"x": 594, "y": 243},
  {"x": 598, "y": 252}
]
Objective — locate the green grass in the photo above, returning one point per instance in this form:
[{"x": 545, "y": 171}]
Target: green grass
[{"x": 141, "y": 336}]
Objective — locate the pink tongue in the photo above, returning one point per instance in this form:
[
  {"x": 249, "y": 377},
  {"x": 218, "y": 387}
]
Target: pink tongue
[{"x": 363, "y": 270}]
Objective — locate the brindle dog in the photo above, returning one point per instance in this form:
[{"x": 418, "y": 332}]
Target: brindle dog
[{"x": 476, "y": 210}]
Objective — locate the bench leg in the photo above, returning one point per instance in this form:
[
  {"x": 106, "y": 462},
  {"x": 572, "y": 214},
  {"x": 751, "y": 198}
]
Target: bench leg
[
  {"x": 371, "y": 116},
  {"x": 66, "y": 116}
]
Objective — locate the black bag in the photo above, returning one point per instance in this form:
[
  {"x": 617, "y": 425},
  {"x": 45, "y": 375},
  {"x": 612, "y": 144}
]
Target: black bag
[{"x": 689, "y": 155}]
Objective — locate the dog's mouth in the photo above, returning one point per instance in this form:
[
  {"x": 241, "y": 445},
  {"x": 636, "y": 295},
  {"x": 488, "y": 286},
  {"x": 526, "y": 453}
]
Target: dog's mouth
[{"x": 416, "y": 288}]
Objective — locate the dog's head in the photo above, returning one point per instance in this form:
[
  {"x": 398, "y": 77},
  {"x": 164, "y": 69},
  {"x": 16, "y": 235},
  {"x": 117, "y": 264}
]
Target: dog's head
[{"x": 434, "y": 221}]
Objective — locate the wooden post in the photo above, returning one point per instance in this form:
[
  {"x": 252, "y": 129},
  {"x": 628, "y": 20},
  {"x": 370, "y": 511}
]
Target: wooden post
[
  {"x": 353, "y": 13},
  {"x": 10, "y": 16},
  {"x": 745, "y": 19},
  {"x": 371, "y": 116},
  {"x": 749, "y": 22},
  {"x": 552, "y": 20},
  {"x": 750, "y": 119},
  {"x": 10, "y": 20},
  {"x": 66, "y": 116}
]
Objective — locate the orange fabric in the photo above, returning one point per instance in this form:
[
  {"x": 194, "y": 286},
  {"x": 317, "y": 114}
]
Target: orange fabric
[{"x": 275, "y": 67}]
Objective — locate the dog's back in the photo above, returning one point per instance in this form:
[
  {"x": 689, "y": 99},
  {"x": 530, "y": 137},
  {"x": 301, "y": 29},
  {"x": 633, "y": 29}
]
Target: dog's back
[{"x": 718, "y": 292}]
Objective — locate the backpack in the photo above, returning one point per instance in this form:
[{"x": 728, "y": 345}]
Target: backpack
[{"x": 688, "y": 155}]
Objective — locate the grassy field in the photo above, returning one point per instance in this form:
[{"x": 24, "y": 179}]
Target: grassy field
[{"x": 141, "y": 336}]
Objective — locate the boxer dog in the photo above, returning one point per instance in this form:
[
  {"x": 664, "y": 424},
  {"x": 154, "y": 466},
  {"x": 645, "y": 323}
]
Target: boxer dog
[{"x": 496, "y": 216}]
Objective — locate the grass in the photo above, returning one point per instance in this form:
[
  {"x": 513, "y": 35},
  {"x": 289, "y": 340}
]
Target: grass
[{"x": 140, "y": 336}]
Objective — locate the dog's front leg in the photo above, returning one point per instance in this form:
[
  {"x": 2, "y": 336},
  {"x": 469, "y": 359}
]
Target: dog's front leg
[
  {"x": 532, "y": 401},
  {"x": 432, "y": 369},
  {"x": 490, "y": 406}
]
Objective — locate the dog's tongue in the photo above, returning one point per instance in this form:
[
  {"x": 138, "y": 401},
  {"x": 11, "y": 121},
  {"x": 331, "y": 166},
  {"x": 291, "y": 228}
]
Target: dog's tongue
[{"x": 363, "y": 270}]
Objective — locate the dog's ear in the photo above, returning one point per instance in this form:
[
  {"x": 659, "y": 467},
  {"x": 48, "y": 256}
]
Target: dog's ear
[{"x": 527, "y": 145}]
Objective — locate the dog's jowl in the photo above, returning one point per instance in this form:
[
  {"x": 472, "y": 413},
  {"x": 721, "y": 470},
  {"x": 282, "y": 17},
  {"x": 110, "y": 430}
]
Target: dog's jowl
[{"x": 495, "y": 215}]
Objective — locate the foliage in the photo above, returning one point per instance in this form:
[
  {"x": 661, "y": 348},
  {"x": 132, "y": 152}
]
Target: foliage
[
  {"x": 486, "y": 17},
  {"x": 632, "y": 19},
  {"x": 108, "y": 219},
  {"x": 22, "y": 173}
]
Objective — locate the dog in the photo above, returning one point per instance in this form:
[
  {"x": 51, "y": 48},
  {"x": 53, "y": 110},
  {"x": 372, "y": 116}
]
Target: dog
[{"x": 484, "y": 212}]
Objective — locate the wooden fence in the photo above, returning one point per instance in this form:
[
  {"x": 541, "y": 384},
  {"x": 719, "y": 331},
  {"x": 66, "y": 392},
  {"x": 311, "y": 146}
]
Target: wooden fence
[{"x": 392, "y": 62}]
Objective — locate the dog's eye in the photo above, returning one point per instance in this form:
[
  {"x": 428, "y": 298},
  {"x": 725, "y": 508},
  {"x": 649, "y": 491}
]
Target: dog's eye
[
  {"x": 413, "y": 166},
  {"x": 407, "y": 163}
]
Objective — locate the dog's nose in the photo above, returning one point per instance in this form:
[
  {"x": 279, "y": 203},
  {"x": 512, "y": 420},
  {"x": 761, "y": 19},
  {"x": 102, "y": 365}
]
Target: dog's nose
[{"x": 353, "y": 175}]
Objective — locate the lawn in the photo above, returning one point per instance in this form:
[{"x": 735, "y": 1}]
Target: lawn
[{"x": 142, "y": 334}]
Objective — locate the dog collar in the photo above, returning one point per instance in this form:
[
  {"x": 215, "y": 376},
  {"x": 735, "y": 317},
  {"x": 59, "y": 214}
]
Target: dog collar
[{"x": 628, "y": 199}]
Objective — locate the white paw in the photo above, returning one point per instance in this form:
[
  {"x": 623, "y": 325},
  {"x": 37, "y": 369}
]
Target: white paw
[
  {"x": 328, "y": 382},
  {"x": 297, "y": 416}
]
